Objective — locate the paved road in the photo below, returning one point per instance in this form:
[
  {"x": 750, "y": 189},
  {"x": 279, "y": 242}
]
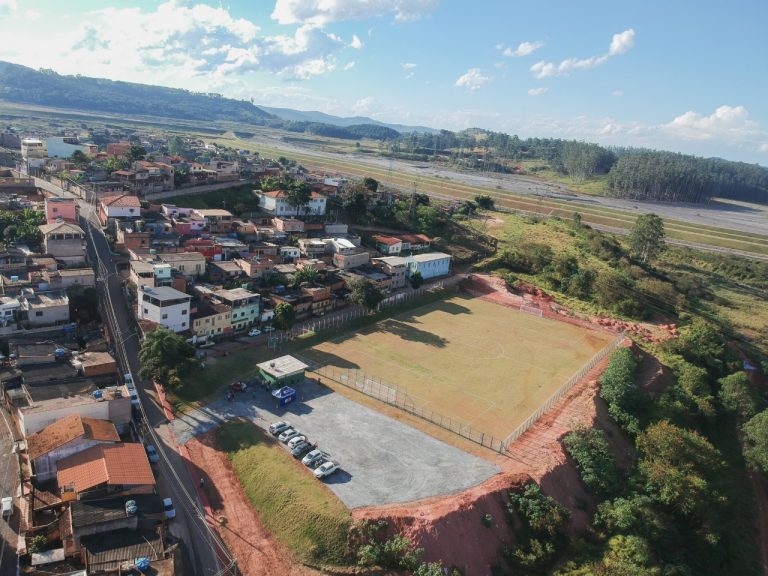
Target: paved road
[
  {"x": 9, "y": 486},
  {"x": 200, "y": 553},
  {"x": 383, "y": 461}
]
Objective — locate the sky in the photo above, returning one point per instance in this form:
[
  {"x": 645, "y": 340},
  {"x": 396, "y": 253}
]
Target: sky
[{"x": 687, "y": 75}]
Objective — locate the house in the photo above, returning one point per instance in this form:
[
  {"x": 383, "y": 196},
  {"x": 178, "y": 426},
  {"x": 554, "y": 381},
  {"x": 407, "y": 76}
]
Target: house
[
  {"x": 60, "y": 280},
  {"x": 388, "y": 245},
  {"x": 244, "y": 305},
  {"x": 289, "y": 253},
  {"x": 64, "y": 241},
  {"x": 57, "y": 209},
  {"x": 282, "y": 371},
  {"x": 347, "y": 260},
  {"x": 93, "y": 364},
  {"x": 220, "y": 272},
  {"x": 225, "y": 171},
  {"x": 211, "y": 320},
  {"x": 110, "y": 553},
  {"x": 415, "y": 242},
  {"x": 430, "y": 265},
  {"x": 165, "y": 306},
  {"x": 118, "y": 149},
  {"x": 43, "y": 309},
  {"x": 173, "y": 211},
  {"x": 150, "y": 274},
  {"x": 105, "y": 469},
  {"x": 276, "y": 203},
  {"x": 146, "y": 177},
  {"x": 65, "y": 437},
  {"x": 288, "y": 225},
  {"x": 393, "y": 266},
  {"x": 255, "y": 267},
  {"x": 206, "y": 246},
  {"x": 320, "y": 297},
  {"x": 118, "y": 206},
  {"x": 130, "y": 236},
  {"x": 231, "y": 247},
  {"x": 33, "y": 151},
  {"x": 302, "y": 304},
  {"x": 189, "y": 264},
  {"x": 312, "y": 247},
  {"x": 215, "y": 221}
]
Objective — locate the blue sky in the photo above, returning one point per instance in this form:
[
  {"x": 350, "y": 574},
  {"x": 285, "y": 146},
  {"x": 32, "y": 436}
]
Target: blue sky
[{"x": 684, "y": 75}]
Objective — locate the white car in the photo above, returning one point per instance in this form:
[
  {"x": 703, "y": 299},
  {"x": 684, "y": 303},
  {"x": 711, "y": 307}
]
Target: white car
[
  {"x": 288, "y": 434},
  {"x": 295, "y": 440},
  {"x": 278, "y": 427},
  {"x": 326, "y": 469},
  {"x": 128, "y": 379},
  {"x": 313, "y": 457},
  {"x": 254, "y": 332},
  {"x": 7, "y": 506},
  {"x": 168, "y": 509}
]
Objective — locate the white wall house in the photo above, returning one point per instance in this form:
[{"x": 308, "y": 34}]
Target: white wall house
[
  {"x": 429, "y": 265},
  {"x": 119, "y": 206},
  {"x": 165, "y": 306},
  {"x": 276, "y": 203}
]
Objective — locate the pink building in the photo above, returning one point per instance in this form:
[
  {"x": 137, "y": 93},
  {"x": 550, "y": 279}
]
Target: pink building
[{"x": 64, "y": 208}]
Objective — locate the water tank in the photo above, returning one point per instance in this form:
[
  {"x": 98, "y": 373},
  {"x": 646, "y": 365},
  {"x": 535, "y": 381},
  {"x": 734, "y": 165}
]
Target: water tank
[
  {"x": 131, "y": 508},
  {"x": 98, "y": 394},
  {"x": 14, "y": 278}
]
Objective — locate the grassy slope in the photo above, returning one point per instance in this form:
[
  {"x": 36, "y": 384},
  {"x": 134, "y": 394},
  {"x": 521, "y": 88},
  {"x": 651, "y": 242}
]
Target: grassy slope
[{"x": 294, "y": 506}]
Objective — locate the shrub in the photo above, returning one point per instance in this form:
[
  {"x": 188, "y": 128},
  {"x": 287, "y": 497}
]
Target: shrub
[
  {"x": 597, "y": 466},
  {"x": 617, "y": 388}
]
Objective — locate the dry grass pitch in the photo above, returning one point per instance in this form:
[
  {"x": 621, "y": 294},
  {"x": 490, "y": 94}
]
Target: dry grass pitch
[{"x": 469, "y": 360}]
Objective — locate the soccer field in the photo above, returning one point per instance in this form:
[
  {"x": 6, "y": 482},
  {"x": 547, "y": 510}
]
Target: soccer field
[{"x": 478, "y": 363}]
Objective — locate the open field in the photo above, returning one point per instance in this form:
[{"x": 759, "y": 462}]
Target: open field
[
  {"x": 472, "y": 361},
  {"x": 300, "y": 511}
]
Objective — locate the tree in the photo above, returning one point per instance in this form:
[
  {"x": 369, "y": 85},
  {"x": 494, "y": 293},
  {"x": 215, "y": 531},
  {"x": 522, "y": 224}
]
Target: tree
[
  {"x": 176, "y": 147},
  {"x": 299, "y": 194},
  {"x": 756, "y": 441},
  {"x": 617, "y": 388},
  {"x": 165, "y": 356},
  {"x": 365, "y": 293},
  {"x": 628, "y": 556},
  {"x": 646, "y": 239},
  {"x": 308, "y": 274},
  {"x": 417, "y": 280},
  {"x": 596, "y": 464},
  {"x": 79, "y": 159},
  {"x": 285, "y": 315},
  {"x": 136, "y": 152},
  {"x": 738, "y": 396},
  {"x": 485, "y": 202},
  {"x": 371, "y": 184},
  {"x": 354, "y": 202}
]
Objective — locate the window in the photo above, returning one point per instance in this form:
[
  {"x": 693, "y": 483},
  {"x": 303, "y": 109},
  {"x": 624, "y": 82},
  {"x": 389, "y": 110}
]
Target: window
[
  {"x": 146, "y": 311},
  {"x": 183, "y": 312},
  {"x": 165, "y": 316},
  {"x": 38, "y": 313},
  {"x": 183, "y": 324}
]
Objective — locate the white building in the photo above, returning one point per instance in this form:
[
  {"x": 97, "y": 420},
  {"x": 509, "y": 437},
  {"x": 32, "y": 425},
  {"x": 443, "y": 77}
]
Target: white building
[
  {"x": 429, "y": 265},
  {"x": 33, "y": 152},
  {"x": 119, "y": 206},
  {"x": 165, "y": 306},
  {"x": 276, "y": 203}
]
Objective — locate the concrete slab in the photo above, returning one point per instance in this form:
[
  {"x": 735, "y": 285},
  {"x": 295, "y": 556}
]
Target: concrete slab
[{"x": 383, "y": 461}]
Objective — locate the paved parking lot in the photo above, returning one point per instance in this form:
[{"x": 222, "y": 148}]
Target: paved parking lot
[{"x": 383, "y": 461}]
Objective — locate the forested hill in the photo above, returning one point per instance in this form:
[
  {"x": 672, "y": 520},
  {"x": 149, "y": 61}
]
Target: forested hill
[{"x": 47, "y": 88}]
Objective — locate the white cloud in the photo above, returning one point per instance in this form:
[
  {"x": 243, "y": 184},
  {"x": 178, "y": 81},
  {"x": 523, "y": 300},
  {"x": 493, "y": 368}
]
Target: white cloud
[
  {"x": 523, "y": 49},
  {"x": 473, "y": 80},
  {"x": 537, "y": 91},
  {"x": 763, "y": 147},
  {"x": 726, "y": 121},
  {"x": 617, "y": 93},
  {"x": 408, "y": 65},
  {"x": 356, "y": 42},
  {"x": 409, "y": 75},
  {"x": 324, "y": 11},
  {"x": 349, "y": 65},
  {"x": 364, "y": 105},
  {"x": 8, "y": 6},
  {"x": 620, "y": 43}
]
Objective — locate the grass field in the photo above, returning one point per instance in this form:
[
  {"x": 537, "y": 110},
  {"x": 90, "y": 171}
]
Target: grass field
[
  {"x": 469, "y": 360},
  {"x": 300, "y": 511}
]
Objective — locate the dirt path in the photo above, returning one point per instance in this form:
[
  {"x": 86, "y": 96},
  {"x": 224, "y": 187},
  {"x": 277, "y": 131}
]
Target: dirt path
[{"x": 258, "y": 553}]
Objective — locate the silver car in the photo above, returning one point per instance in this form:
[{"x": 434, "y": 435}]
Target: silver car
[{"x": 288, "y": 434}]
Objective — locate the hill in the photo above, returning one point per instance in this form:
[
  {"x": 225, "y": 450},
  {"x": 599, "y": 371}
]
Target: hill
[
  {"x": 314, "y": 116},
  {"x": 21, "y": 84}
]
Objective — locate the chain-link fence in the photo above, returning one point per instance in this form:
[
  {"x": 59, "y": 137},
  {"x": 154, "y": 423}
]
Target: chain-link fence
[{"x": 394, "y": 396}]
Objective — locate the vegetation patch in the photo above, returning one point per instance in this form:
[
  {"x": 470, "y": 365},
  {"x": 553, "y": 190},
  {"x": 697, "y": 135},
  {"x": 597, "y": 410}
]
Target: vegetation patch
[{"x": 300, "y": 511}]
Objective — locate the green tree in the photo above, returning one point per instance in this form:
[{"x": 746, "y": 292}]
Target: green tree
[
  {"x": 79, "y": 159},
  {"x": 365, "y": 293},
  {"x": 165, "y": 356},
  {"x": 371, "y": 184},
  {"x": 738, "y": 396},
  {"x": 136, "y": 152},
  {"x": 354, "y": 202},
  {"x": 308, "y": 274},
  {"x": 756, "y": 441},
  {"x": 597, "y": 466},
  {"x": 429, "y": 569},
  {"x": 617, "y": 388},
  {"x": 628, "y": 556},
  {"x": 299, "y": 194},
  {"x": 285, "y": 315},
  {"x": 176, "y": 147},
  {"x": 485, "y": 202},
  {"x": 646, "y": 239},
  {"x": 416, "y": 280}
]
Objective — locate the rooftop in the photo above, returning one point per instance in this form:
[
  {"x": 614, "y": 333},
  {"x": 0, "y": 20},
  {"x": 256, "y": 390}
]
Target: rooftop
[
  {"x": 387, "y": 240},
  {"x": 111, "y": 464},
  {"x": 179, "y": 256},
  {"x": 213, "y": 212},
  {"x": 392, "y": 260},
  {"x": 227, "y": 266},
  {"x": 61, "y": 228},
  {"x": 164, "y": 293},
  {"x": 67, "y": 429},
  {"x": 430, "y": 256},
  {"x": 121, "y": 201},
  {"x": 235, "y": 293},
  {"x": 107, "y": 552},
  {"x": 283, "y": 366},
  {"x": 91, "y": 512}
]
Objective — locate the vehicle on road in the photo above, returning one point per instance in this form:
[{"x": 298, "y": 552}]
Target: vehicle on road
[
  {"x": 254, "y": 332},
  {"x": 128, "y": 379},
  {"x": 326, "y": 469},
  {"x": 152, "y": 454},
  {"x": 238, "y": 386},
  {"x": 314, "y": 456},
  {"x": 288, "y": 434},
  {"x": 7, "y": 506},
  {"x": 301, "y": 448},
  {"x": 134, "y": 397},
  {"x": 277, "y": 427},
  {"x": 295, "y": 440},
  {"x": 168, "y": 509}
]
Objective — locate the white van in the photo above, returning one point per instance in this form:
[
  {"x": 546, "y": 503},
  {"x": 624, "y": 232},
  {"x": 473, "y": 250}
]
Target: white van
[{"x": 7, "y": 506}]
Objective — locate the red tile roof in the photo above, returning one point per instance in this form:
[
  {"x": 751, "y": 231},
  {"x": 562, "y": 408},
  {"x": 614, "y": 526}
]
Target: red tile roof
[
  {"x": 387, "y": 240},
  {"x": 121, "y": 201},
  {"x": 67, "y": 429},
  {"x": 414, "y": 238},
  {"x": 118, "y": 464},
  {"x": 283, "y": 194}
]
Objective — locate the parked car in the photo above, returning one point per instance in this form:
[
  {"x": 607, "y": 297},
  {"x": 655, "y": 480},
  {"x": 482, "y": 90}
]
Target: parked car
[
  {"x": 238, "y": 386},
  {"x": 134, "y": 397},
  {"x": 295, "y": 440},
  {"x": 152, "y": 454},
  {"x": 254, "y": 332},
  {"x": 326, "y": 469},
  {"x": 168, "y": 509},
  {"x": 7, "y": 506},
  {"x": 288, "y": 434},
  {"x": 128, "y": 379},
  {"x": 314, "y": 456},
  {"x": 301, "y": 448},
  {"x": 277, "y": 427}
]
